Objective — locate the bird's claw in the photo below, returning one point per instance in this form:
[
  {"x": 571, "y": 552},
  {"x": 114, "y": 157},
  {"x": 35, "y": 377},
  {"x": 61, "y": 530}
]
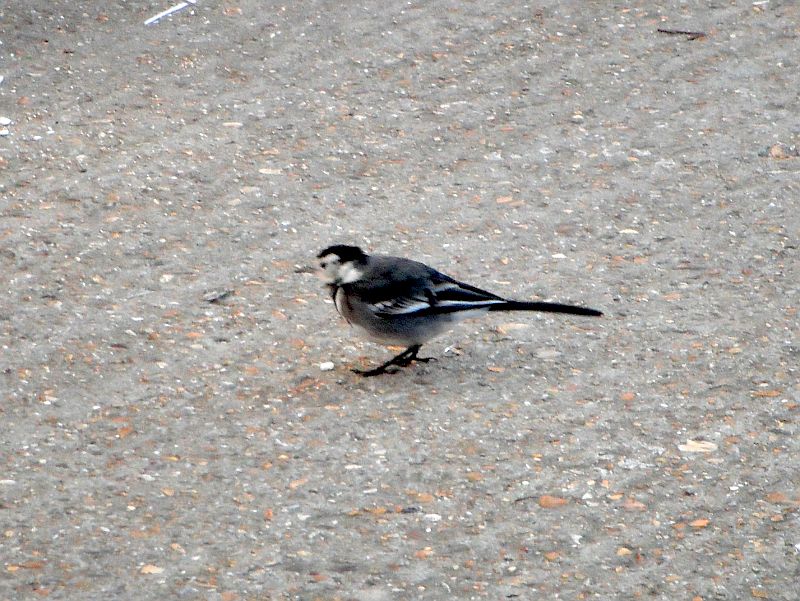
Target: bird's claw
[{"x": 368, "y": 373}]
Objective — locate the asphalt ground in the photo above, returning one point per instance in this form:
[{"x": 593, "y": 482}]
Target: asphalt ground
[{"x": 168, "y": 432}]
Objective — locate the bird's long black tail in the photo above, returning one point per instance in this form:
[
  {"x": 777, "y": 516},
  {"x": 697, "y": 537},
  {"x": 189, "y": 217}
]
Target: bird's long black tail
[{"x": 548, "y": 307}]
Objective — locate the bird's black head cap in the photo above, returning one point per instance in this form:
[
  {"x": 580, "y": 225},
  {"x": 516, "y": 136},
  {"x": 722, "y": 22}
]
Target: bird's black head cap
[{"x": 345, "y": 253}]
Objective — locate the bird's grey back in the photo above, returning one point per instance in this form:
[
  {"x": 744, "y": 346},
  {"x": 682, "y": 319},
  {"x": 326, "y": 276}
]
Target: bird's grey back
[{"x": 389, "y": 277}]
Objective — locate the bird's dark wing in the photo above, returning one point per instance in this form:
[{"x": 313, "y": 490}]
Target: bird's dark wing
[{"x": 438, "y": 294}]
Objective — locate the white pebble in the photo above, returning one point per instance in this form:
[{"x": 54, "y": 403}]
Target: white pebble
[
  {"x": 326, "y": 366},
  {"x": 5, "y": 121}
]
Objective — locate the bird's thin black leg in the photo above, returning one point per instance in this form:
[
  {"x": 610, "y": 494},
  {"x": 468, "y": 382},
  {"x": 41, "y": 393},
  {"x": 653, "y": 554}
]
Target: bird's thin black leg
[
  {"x": 414, "y": 357},
  {"x": 404, "y": 359}
]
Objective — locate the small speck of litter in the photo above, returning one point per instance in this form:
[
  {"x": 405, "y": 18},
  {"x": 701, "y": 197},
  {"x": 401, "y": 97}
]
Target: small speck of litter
[
  {"x": 5, "y": 121},
  {"x": 4, "y": 131},
  {"x": 559, "y": 256},
  {"x": 326, "y": 366},
  {"x": 698, "y": 446},
  {"x": 432, "y": 517},
  {"x": 548, "y": 354}
]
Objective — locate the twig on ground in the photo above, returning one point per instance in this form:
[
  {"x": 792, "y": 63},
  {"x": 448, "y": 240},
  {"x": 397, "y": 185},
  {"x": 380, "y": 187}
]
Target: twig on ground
[{"x": 693, "y": 35}]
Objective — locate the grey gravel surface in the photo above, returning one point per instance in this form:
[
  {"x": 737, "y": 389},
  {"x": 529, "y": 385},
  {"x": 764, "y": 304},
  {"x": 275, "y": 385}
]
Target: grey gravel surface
[{"x": 168, "y": 432}]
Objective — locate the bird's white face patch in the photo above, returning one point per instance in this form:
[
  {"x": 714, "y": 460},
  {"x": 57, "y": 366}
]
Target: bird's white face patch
[
  {"x": 333, "y": 271},
  {"x": 329, "y": 268}
]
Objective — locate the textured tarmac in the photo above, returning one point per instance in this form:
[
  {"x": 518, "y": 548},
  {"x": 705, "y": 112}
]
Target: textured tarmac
[{"x": 168, "y": 432}]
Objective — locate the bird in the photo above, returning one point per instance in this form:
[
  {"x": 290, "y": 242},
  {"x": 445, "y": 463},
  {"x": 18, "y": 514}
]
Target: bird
[{"x": 400, "y": 302}]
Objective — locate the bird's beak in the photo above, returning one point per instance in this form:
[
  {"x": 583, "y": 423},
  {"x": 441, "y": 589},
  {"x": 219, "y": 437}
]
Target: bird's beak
[{"x": 322, "y": 274}]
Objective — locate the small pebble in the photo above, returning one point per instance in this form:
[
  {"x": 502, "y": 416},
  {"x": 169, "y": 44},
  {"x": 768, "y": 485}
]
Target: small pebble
[
  {"x": 5, "y": 121},
  {"x": 327, "y": 366},
  {"x": 4, "y": 132}
]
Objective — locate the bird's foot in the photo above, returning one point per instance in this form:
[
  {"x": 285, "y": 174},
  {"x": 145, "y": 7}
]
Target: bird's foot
[
  {"x": 368, "y": 373},
  {"x": 404, "y": 359},
  {"x": 421, "y": 360}
]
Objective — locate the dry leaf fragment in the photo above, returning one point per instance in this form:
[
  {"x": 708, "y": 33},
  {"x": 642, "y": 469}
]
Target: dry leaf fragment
[
  {"x": 474, "y": 476},
  {"x": 423, "y": 553},
  {"x": 424, "y": 497},
  {"x": 698, "y": 446},
  {"x": 777, "y": 497},
  {"x": 506, "y": 328},
  {"x": 151, "y": 569},
  {"x": 633, "y": 505},
  {"x": 124, "y": 431},
  {"x": 781, "y": 151},
  {"x": 759, "y": 593},
  {"x": 297, "y": 483},
  {"x": 766, "y": 394},
  {"x": 699, "y": 523},
  {"x": 552, "y": 555},
  {"x": 622, "y": 551},
  {"x": 550, "y": 502}
]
